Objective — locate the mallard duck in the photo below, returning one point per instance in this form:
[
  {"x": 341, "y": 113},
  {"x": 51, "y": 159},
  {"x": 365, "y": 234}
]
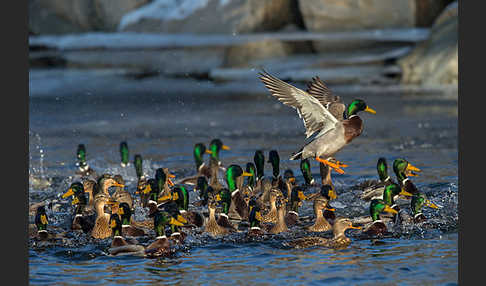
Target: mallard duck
[
  {"x": 84, "y": 170},
  {"x": 328, "y": 192},
  {"x": 92, "y": 190},
  {"x": 84, "y": 217},
  {"x": 264, "y": 198},
  {"x": 176, "y": 234},
  {"x": 339, "y": 239},
  {"x": 296, "y": 198},
  {"x": 162, "y": 177},
  {"x": 259, "y": 160},
  {"x": 128, "y": 228},
  {"x": 212, "y": 226},
  {"x": 280, "y": 225},
  {"x": 377, "y": 227},
  {"x": 274, "y": 160},
  {"x": 373, "y": 189},
  {"x": 180, "y": 196},
  {"x": 306, "y": 172},
  {"x": 323, "y": 116},
  {"x": 120, "y": 245},
  {"x": 419, "y": 200},
  {"x": 141, "y": 179},
  {"x": 234, "y": 179},
  {"x": 124, "y": 155},
  {"x": 224, "y": 198},
  {"x": 271, "y": 214},
  {"x": 104, "y": 182},
  {"x": 121, "y": 195},
  {"x": 289, "y": 183},
  {"x": 320, "y": 224},
  {"x": 161, "y": 246},
  {"x": 41, "y": 223},
  {"x": 251, "y": 181},
  {"x": 202, "y": 187},
  {"x": 255, "y": 218},
  {"x": 391, "y": 191},
  {"x": 102, "y": 228},
  {"x": 214, "y": 163},
  {"x": 403, "y": 169}
]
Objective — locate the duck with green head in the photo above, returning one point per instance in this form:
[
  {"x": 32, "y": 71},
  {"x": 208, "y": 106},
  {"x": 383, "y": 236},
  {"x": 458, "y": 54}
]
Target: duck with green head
[
  {"x": 306, "y": 172},
  {"x": 251, "y": 181},
  {"x": 419, "y": 200},
  {"x": 84, "y": 169},
  {"x": 202, "y": 169},
  {"x": 296, "y": 199},
  {"x": 329, "y": 194},
  {"x": 128, "y": 229},
  {"x": 339, "y": 239},
  {"x": 180, "y": 196},
  {"x": 378, "y": 227},
  {"x": 224, "y": 198},
  {"x": 202, "y": 187},
  {"x": 234, "y": 178},
  {"x": 259, "y": 160},
  {"x": 41, "y": 223},
  {"x": 84, "y": 217},
  {"x": 163, "y": 179},
  {"x": 120, "y": 245},
  {"x": 274, "y": 160},
  {"x": 403, "y": 169},
  {"x": 323, "y": 116},
  {"x": 255, "y": 219},
  {"x": 124, "y": 155},
  {"x": 161, "y": 246},
  {"x": 373, "y": 189},
  {"x": 172, "y": 209}
]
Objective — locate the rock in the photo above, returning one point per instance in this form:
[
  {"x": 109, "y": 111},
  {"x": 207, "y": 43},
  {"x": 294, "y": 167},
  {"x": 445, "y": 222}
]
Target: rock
[
  {"x": 209, "y": 16},
  {"x": 76, "y": 16},
  {"x": 436, "y": 60},
  {"x": 242, "y": 55},
  {"x": 352, "y": 15}
]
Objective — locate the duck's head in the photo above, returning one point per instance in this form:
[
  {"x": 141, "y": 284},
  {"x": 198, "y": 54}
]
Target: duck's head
[
  {"x": 150, "y": 189},
  {"x": 215, "y": 146},
  {"x": 296, "y": 198},
  {"x": 137, "y": 162},
  {"x": 391, "y": 191},
  {"x": 289, "y": 176},
  {"x": 41, "y": 219},
  {"x": 119, "y": 180},
  {"x": 224, "y": 197},
  {"x": 358, "y": 105},
  {"x": 306, "y": 171},
  {"x": 232, "y": 173},
  {"x": 81, "y": 155},
  {"x": 328, "y": 192},
  {"x": 378, "y": 206},
  {"x": 106, "y": 181},
  {"x": 161, "y": 219},
  {"x": 125, "y": 213},
  {"x": 420, "y": 200},
  {"x": 202, "y": 185},
  {"x": 320, "y": 204},
  {"x": 403, "y": 168},
  {"x": 124, "y": 154},
  {"x": 259, "y": 160},
  {"x": 250, "y": 169},
  {"x": 115, "y": 225},
  {"x": 199, "y": 150},
  {"x": 255, "y": 216},
  {"x": 274, "y": 159},
  {"x": 382, "y": 169},
  {"x": 274, "y": 195},
  {"x": 180, "y": 196},
  {"x": 172, "y": 209},
  {"x": 77, "y": 190},
  {"x": 163, "y": 176},
  {"x": 341, "y": 225}
]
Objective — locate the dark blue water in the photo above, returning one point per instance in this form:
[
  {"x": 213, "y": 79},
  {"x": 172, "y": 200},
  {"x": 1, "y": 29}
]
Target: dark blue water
[{"x": 163, "y": 129}]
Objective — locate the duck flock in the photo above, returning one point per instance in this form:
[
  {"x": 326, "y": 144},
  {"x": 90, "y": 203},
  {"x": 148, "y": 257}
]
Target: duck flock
[{"x": 232, "y": 200}]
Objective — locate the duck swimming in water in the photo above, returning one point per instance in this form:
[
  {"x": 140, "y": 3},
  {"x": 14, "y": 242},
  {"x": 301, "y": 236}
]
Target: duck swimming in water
[
  {"x": 377, "y": 227},
  {"x": 124, "y": 154},
  {"x": 84, "y": 217},
  {"x": 323, "y": 116},
  {"x": 212, "y": 226},
  {"x": 120, "y": 245}
]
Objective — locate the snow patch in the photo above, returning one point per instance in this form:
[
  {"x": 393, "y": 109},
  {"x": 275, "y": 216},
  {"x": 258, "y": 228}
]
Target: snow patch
[{"x": 164, "y": 10}]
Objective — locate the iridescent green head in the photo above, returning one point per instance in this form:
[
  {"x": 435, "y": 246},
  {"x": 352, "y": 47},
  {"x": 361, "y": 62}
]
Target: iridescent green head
[
  {"x": 254, "y": 216},
  {"x": 259, "y": 160},
  {"x": 199, "y": 150},
  {"x": 160, "y": 178},
  {"x": 215, "y": 146},
  {"x": 232, "y": 173},
  {"x": 250, "y": 168},
  {"x": 403, "y": 168},
  {"x": 124, "y": 154},
  {"x": 306, "y": 171},
  {"x": 125, "y": 213},
  {"x": 182, "y": 197},
  {"x": 358, "y": 105},
  {"x": 115, "y": 225},
  {"x": 161, "y": 219},
  {"x": 391, "y": 191},
  {"x": 378, "y": 206},
  {"x": 382, "y": 167},
  {"x": 81, "y": 155},
  {"x": 274, "y": 159},
  {"x": 224, "y": 196},
  {"x": 41, "y": 219},
  {"x": 420, "y": 200},
  {"x": 137, "y": 162}
]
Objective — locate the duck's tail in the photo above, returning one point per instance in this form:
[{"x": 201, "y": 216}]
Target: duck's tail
[{"x": 297, "y": 156}]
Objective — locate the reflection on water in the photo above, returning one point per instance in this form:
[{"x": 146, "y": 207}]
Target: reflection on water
[{"x": 164, "y": 129}]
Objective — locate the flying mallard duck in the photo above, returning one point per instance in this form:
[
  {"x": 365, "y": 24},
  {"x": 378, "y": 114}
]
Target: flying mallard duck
[
  {"x": 323, "y": 116},
  {"x": 339, "y": 239}
]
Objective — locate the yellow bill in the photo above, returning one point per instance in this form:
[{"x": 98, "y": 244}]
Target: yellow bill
[
  {"x": 118, "y": 185},
  {"x": 218, "y": 197},
  {"x": 69, "y": 193},
  {"x": 147, "y": 189},
  {"x": 43, "y": 219},
  {"x": 246, "y": 174},
  {"x": 170, "y": 182},
  {"x": 121, "y": 211},
  {"x": 224, "y": 147},
  {"x": 405, "y": 193},
  {"x": 258, "y": 216},
  {"x": 181, "y": 219},
  {"x": 171, "y": 175},
  {"x": 411, "y": 167},
  {"x": 332, "y": 194},
  {"x": 292, "y": 179},
  {"x": 355, "y": 227},
  {"x": 175, "y": 222},
  {"x": 113, "y": 223},
  {"x": 390, "y": 210},
  {"x": 331, "y": 209},
  {"x": 175, "y": 196},
  {"x": 75, "y": 201},
  {"x": 164, "y": 198},
  {"x": 301, "y": 196},
  {"x": 431, "y": 204},
  {"x": 208, "y": 151},
  {"x": 368, "y": 109}
]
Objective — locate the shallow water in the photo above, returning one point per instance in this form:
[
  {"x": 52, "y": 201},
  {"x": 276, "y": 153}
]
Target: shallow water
[{"x": 164, "y": 128}]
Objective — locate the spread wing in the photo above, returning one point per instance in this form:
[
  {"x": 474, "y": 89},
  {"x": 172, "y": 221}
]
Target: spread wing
[
  {"x": 315, "y": 116},
  {"x": 318, "y": 89}
]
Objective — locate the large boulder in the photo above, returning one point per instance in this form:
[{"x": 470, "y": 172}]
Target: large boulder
[
  {"x": 435, "y": 61},
  {"x": 77, "y": 16},
  {"x": 209, "y": 16}
]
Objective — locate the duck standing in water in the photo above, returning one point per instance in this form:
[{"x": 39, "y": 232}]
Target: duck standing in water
[
  {"x": 323, "y": 116},
  {"x": 339, "y": 239}
]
